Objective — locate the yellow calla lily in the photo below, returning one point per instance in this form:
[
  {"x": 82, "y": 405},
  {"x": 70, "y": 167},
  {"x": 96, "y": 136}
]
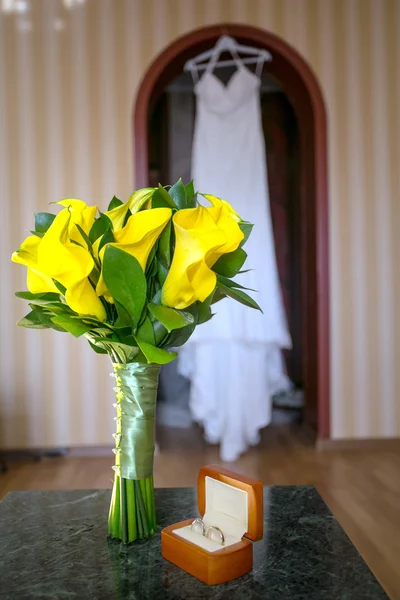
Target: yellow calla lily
[
  {"x": 134, "y": 203},
  {"x": 226, "y": 218},
  {"x": 203, "y": 234},
  {"x": 220, "y": 203},
  {"x": 27, "y": 255},
  {"x": 55, "y": 257},
  {"x": 82, "y": 298},
  {"x": 137, "y": 238},
  {"x": 82, "y": 215},
  {"x": 71, "y": 265},
  {"x": 39, "y": 284}
]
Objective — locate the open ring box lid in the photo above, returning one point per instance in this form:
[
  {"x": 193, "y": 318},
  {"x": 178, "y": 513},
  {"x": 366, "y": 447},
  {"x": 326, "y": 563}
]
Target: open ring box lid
[{"x": 231, "y": 502}]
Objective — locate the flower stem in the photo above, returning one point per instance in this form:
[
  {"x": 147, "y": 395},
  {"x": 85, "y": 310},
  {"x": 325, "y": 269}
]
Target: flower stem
[
  {"x": 130, "y": 497},
  {"x": 124, "y": 511},
  {"x": 132, "y": 511}
]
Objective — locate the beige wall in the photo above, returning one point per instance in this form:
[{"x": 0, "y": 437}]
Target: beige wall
[{"x": 66, "y": 105}]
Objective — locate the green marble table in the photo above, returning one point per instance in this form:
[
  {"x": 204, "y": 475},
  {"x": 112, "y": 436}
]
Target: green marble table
[{"x": 53, "y": 545}]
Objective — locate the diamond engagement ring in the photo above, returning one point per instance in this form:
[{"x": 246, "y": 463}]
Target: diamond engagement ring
[
  {"x": 215, "y": 534},
  {"x": 198, "y": 526}
]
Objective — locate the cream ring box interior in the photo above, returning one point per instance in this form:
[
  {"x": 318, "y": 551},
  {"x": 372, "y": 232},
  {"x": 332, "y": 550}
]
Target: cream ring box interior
[{"x": 227, "y": 500}]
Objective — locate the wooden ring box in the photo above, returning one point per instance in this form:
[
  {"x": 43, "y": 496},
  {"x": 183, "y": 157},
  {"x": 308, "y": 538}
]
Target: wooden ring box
[{"x": 227, "y": 500}]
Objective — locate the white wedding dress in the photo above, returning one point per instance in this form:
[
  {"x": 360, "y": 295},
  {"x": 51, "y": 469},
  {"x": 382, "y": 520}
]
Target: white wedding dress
[{"x": 234, "y": 361}]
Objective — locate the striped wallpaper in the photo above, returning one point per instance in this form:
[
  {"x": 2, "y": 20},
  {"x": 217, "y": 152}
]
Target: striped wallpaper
[{"x": 67, "y": 86}]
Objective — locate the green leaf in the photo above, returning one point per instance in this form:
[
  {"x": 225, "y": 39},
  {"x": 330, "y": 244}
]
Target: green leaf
[
  {"x": 160, "y": 333},
  {"x": 114, "y": 203},
  {"x": 239, "y": 296},
  {"x": 156, "y": 355},
  {"x": 145, "y": 332},
  {"x": 178, "y": 337},
  {"x": 246, "y": 228},
  {"x": 60, "y": 286},
  {"x": 125, "y": 281},
  {"x": 97, "y": 349},
  {"x": 127, "y": 216},
  {"x": 107, "y": 238},
  {"x": 95, "y": 275},
  {"x": 140, "y": 358},
  {"x": 151, "y": 270},
  {"x": 32, "y": 321},
  {"x": 162, "y": 273},
  {"x": 77, "y": 244},
  {"x": 189, "y": 187},
  {"x": 84, "y": 236},
  {"x": 125, "y": 352},
  {"x": 116, "y": 352},
  {"x": 230, "y": 264},
  {"x": 219, "y": 294},
  {"x": 123, "y": 318},
  {"x": 162, "y": 199},
  {"x": 178, "y": 194},
  {"x": 74, "y": 326},
  {"x": 190, "y": 195},
  {"x": 45, "y": 297},
  {"x": 151, "y": 267},
  {"x": 170, "y": 317},
  {"x": 126, "y": 337},
  {"x": 232, "y": 284},
  {"x": 89, "y": 244},
  {"x": 54, "y": 307},
  {"x": 157, "y": 201},
  {"x": 156, "y": 299},
  {"x": 164, "y": 246},
  {"x": 46, "y": 318},
  {"x": 99, "y": 227},
  {"x": 204, "y": 309},
  {"x": 130, "y": 352},
  {"x": 100, "y": 331},
  {"x": 207, "y": 317},
  {"x": 43, "y": 221},
  {"x": 37, "y": 233}
]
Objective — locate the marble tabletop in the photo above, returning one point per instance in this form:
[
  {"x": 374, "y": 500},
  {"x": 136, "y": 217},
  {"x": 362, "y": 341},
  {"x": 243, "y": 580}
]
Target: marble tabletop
[{"x": 53, "y": 545}]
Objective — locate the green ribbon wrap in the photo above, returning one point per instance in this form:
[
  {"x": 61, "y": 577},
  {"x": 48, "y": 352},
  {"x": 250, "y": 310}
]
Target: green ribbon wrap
[{"x": 136, "y": 393}]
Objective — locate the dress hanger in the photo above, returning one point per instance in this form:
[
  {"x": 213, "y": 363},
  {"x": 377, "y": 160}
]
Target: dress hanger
[{"x": 227, "y": 44}]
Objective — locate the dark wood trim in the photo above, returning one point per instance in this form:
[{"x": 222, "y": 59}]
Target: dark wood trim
[{"x": 305, "y": 94}]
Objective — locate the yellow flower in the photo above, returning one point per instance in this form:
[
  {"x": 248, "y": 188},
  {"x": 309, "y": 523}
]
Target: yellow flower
[
  {"x": 202, "y": 235},
  {"x": 134, "y": 204},
  {"x": 81, "y": 215},
  {"x": 137, "y": 238},
  {"x": 28, "y": 255},
  {"x": 226, "y": 218},
  {"x": 222, "y": 204},
  {"x": 55, "y": 257}
]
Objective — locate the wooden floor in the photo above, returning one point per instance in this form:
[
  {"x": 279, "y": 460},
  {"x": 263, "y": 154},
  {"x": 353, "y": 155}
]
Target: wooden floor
[{"x": 361, "y": 488}]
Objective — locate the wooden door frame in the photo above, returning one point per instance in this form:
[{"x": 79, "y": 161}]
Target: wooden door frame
[{"x": 303, "y": 91}]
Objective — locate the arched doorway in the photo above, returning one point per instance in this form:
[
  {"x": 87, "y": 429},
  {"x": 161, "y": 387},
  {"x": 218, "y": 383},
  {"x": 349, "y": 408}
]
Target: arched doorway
[{"x": 302, "y": 88}]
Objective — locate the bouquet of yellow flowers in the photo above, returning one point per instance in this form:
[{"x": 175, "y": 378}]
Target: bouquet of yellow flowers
[{"x": 135, "y": 281}]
